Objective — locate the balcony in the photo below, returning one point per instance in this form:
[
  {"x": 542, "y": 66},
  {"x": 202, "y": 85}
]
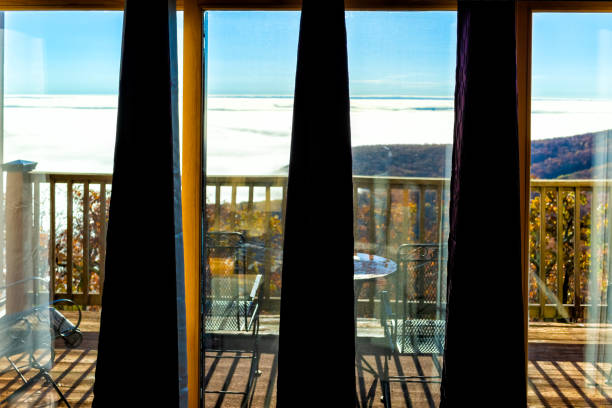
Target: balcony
[{"x": 70, "y": 212}]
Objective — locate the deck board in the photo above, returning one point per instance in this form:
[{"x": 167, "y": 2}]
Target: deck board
[{"x": 558, "y": 374}]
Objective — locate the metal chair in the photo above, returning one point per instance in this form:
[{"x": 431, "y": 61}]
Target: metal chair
[
  {"x": 231, "y": 307},
  {"x": 418, "y": 325},
  {"x": 32, "y": 333}
]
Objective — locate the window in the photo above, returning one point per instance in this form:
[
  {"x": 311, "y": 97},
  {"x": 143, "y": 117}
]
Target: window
[
  {"x": 250, "y": 74},
  {"x": 569, "y": 255},
  {"x": 401, "y": 70}
]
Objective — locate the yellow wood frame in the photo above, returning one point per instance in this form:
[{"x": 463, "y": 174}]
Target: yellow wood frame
[{"x": 524, "y": 11}]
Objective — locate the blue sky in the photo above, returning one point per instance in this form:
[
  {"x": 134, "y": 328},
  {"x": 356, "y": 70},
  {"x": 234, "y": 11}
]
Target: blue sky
[
  {"x": 389, "y": 53},
  {"x": 254, "y": 53},
  {"x": 572, "y": 55}
]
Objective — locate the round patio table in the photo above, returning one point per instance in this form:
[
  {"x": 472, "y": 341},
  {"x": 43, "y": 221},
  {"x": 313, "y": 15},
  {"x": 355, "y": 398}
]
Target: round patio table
[{"x": 368, "y": 267}]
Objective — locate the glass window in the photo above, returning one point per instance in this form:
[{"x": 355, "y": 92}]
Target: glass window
[
  {"x": 569, "y": 281},
  {"x": 250, "y": 73},
  {"x": 58, "y": 112},
  {"x": 401, "y": 70}
]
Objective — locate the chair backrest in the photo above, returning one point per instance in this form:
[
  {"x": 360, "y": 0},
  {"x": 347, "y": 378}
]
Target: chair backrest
[
  {"x": 230, "y": 291},
  {"x": 420, "y": 281}
]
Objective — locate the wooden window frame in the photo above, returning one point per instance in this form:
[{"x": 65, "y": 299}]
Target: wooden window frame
[{"x": 193, "y": 110}]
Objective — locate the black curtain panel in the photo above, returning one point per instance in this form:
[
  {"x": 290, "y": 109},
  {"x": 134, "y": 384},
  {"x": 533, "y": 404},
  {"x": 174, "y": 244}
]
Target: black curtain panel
[
  {"x": 142, "y": 350},
  {"x": 317, "y": 328},
  {"x": 484, "y": 357}
]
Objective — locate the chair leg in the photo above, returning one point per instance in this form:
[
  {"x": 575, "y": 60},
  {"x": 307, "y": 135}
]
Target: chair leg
[
  {"x": 30, "y": 383},
  {"x": 385, "y": 384},
  {"x": 386, "y": 393},
  {"x": 59, "y": 392},
  {"x": 18, "y": 370}
]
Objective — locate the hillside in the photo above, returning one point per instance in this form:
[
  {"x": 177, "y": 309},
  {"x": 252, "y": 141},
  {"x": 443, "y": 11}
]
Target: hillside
[{"x": 581, "y": 156}]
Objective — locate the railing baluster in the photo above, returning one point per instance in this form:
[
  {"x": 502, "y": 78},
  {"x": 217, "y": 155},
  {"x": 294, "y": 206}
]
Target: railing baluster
[
  {"x": 439, "y": 209},
  {"x": 103, "y": 225},
  {"x": 372, "y": 219},
  {"x": 542, "y": 272},
  {"x": 70, "y": 220},
  {"x": 577, "y": 291},
  {"x": 422, "y": 213},
  {"x": 250, "y": 216},
  {"x": 233, "y": 214},
  {"x": 52, "y": 255},
  {"x": 267, "y": 244},
  {"x": 36, "y": 237},
  {"x": 284, "y": 207},
  {"x": 406, "y": 213},
  {"x": 559, "y": 248},
  {"x": 355, "y": 211},
  {"x": 388, "y": 230},
  {"x": 85, "y": 272},
  {"x": 217, "y": 222}
]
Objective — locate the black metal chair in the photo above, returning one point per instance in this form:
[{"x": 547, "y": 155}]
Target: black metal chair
[
  {"x": 418, "y": 325},
  {"x": 32, "y": 333},
  {"x": 231, "y": 308}
]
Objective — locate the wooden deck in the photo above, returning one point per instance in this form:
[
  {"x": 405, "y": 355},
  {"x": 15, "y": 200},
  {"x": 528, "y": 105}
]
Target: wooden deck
[{"x": 558, "y": 374}]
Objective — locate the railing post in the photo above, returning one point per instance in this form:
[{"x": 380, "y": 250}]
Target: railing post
[{"x": 18, "y": 212}]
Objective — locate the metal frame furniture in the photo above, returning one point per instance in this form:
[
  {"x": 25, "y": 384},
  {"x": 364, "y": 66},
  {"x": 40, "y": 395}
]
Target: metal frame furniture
[
  {"x": 32, "y": 333},
  {"x": 231, "y": 307},
  {"x": 418, "y": 325}
]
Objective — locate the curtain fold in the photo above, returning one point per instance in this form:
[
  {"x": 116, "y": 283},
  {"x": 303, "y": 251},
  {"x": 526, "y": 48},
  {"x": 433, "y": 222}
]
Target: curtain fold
[
  {"x": 317, "y": 328},
  {"x": 142, "y": 350},
  {"x": 485, "y": 349}
]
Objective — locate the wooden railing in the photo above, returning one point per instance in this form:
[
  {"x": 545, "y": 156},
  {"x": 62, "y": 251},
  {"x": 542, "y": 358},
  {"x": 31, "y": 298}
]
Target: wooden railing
[
  {"x": 76, "y": 232},
  {"x": 405, "y": 210},
  {"x": 569, "y": 278},
  {"x": 68, "y": 208}
]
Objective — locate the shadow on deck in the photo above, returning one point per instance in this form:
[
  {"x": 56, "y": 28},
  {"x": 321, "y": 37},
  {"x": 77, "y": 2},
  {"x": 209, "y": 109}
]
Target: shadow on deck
[{"x": 558, "y": 374}]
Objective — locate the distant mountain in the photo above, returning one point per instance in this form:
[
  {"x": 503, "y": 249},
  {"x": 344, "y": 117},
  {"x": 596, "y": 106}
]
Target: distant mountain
[
  {"x": 401, "y": 160},
  {"x": 574, "y": 157},
  {"x": 581, "y": 156}
]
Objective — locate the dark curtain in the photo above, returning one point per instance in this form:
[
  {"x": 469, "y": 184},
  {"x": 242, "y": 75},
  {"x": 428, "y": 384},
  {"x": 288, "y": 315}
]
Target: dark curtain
[
  {"x": 484, "y": 357},
  {"x": 142, "y": 350},
  {"x": 317, "y": 329}
]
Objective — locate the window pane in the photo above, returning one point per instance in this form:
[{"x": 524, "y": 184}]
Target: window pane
[
  {"x": 401, "y": 70},
  {"x": 250, "y": 73},
  {"x": 60, "y": 84},
  {"x": 571, "y": 119}
]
